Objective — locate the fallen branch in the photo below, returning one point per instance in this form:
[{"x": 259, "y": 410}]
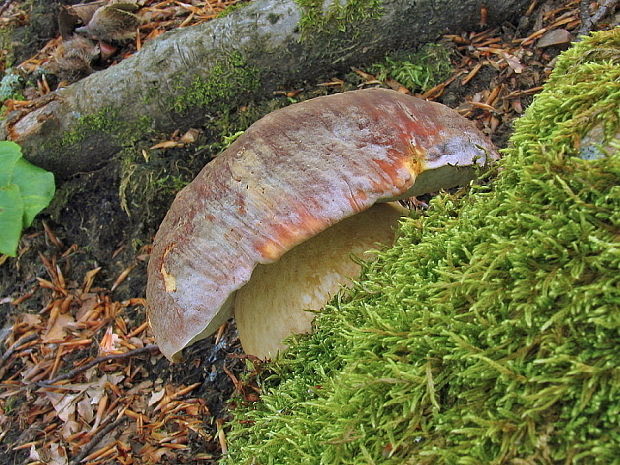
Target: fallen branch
[{"x": 190, "y": 75}]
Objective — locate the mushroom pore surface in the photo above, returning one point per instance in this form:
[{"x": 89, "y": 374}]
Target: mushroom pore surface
[{"x": 275, "y": 303}]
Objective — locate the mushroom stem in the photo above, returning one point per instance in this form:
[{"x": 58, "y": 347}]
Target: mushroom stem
[{"x": 282, "y": 298}]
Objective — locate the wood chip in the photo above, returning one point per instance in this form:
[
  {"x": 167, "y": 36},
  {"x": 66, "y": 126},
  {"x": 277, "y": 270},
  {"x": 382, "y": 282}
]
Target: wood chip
[
  {"x": 483, "y": 106},
  {"x": 221, "y": 436},
  {"x": 169, "y": 144},
  {"x": 122, "y": 277},
  {"x": 555, "y": 37},
  {"x": 472, "y": 74}
]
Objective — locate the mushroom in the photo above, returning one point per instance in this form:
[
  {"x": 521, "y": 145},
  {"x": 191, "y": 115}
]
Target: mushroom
[
  {"x": 292, "y": 175},
  {"x": 73, "y": 58},
  {"x": 113, "y": 22}
]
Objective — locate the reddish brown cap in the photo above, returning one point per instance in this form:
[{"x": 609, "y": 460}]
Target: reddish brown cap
[{"x": 291, "y": 175}]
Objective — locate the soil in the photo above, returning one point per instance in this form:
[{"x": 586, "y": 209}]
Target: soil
[{"x": 88, "y": 212}]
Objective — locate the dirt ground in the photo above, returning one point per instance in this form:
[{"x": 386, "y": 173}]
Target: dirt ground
[{"x": 76, "y": 290}]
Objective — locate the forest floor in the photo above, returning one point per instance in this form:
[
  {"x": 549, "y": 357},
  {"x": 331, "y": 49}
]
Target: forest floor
[{"x": 81, "y": 379}]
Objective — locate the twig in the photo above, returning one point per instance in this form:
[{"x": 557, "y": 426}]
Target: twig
[
  {"x": 16, "y": 345},
  {"x": 587, "y": 21},
  {"x": 70, "y": 374},
  {"x": 96, "y": 438}
]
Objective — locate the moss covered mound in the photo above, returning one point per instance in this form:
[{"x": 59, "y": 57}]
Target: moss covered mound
[{"x": 490, "y": 333}]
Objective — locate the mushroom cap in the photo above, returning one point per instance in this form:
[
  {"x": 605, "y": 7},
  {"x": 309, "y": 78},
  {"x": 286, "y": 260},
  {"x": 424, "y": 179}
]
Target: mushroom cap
[{"x": 291, "y": 175}]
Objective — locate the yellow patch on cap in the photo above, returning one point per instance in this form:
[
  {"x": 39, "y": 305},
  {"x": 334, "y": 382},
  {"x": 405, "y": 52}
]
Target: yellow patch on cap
[{"x": 170, "y": 282}]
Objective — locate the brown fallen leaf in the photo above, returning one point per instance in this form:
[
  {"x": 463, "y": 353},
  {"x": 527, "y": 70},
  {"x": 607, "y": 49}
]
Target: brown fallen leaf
[
  {"x": 58, "y": 330},
  {"x": 364, "y": 75},
  {"x": 335, "y": 82},
  {"x": 122, "y": 276},
  {"x": 89, "y": 278},
  {"x": 397, "y": 86},
  {"x": 85, "y": 409},
  {"x": 64, "y": 404},
  {"x": 156, "y": 397},
  {"x": 513, "y": 62},
  {"x": 87, "y": 304},
  {"x": 30, "y": 319},
  {"x": 54, "y": 454},
  {"x": 471, "y": 74}
]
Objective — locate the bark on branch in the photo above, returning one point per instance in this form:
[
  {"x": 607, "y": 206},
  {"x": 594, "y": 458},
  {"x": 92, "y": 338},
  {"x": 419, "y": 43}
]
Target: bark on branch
[{"x": 191, "y": 74}]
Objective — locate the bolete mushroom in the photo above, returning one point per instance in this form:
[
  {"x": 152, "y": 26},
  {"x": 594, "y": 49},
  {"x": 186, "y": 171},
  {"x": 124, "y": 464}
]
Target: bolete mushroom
[{"x": 292, "y": 175}]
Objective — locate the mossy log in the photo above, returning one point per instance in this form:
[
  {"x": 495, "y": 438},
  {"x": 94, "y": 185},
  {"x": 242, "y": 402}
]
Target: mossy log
[{"x": 191, "y": 74}]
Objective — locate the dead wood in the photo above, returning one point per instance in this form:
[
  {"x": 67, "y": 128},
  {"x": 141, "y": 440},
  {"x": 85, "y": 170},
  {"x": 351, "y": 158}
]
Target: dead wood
[{"x": 189, "y": 75}]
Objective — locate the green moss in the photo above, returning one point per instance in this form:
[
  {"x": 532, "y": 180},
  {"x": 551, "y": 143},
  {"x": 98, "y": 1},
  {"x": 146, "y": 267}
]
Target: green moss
[
  {"x": 229, "y": 139},
  {"x": 417, "y": 71},
  {"x": 230, "y": 8},
  {"x": 103, "y": 124},
  {"x": 229, "y": 79},
  {"x": 106, "y": 121},
  {"x": 6, "y": 49},
  {"x": 489, "y": 333},
  {"x": 150, "y": 95},
  {"x": 340, "y": 17},
  {"x": 147, "y": 187},
  {"x": 11, "y": 404}
]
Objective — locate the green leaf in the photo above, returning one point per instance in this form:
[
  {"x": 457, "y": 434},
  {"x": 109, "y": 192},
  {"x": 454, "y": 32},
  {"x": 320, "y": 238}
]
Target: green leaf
[
  {"x": 25, "y": 190},
  {"x": 11, "y": 214},
  {"x": 36, "y": 186},
  {"x": 10, "y": 152}
]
